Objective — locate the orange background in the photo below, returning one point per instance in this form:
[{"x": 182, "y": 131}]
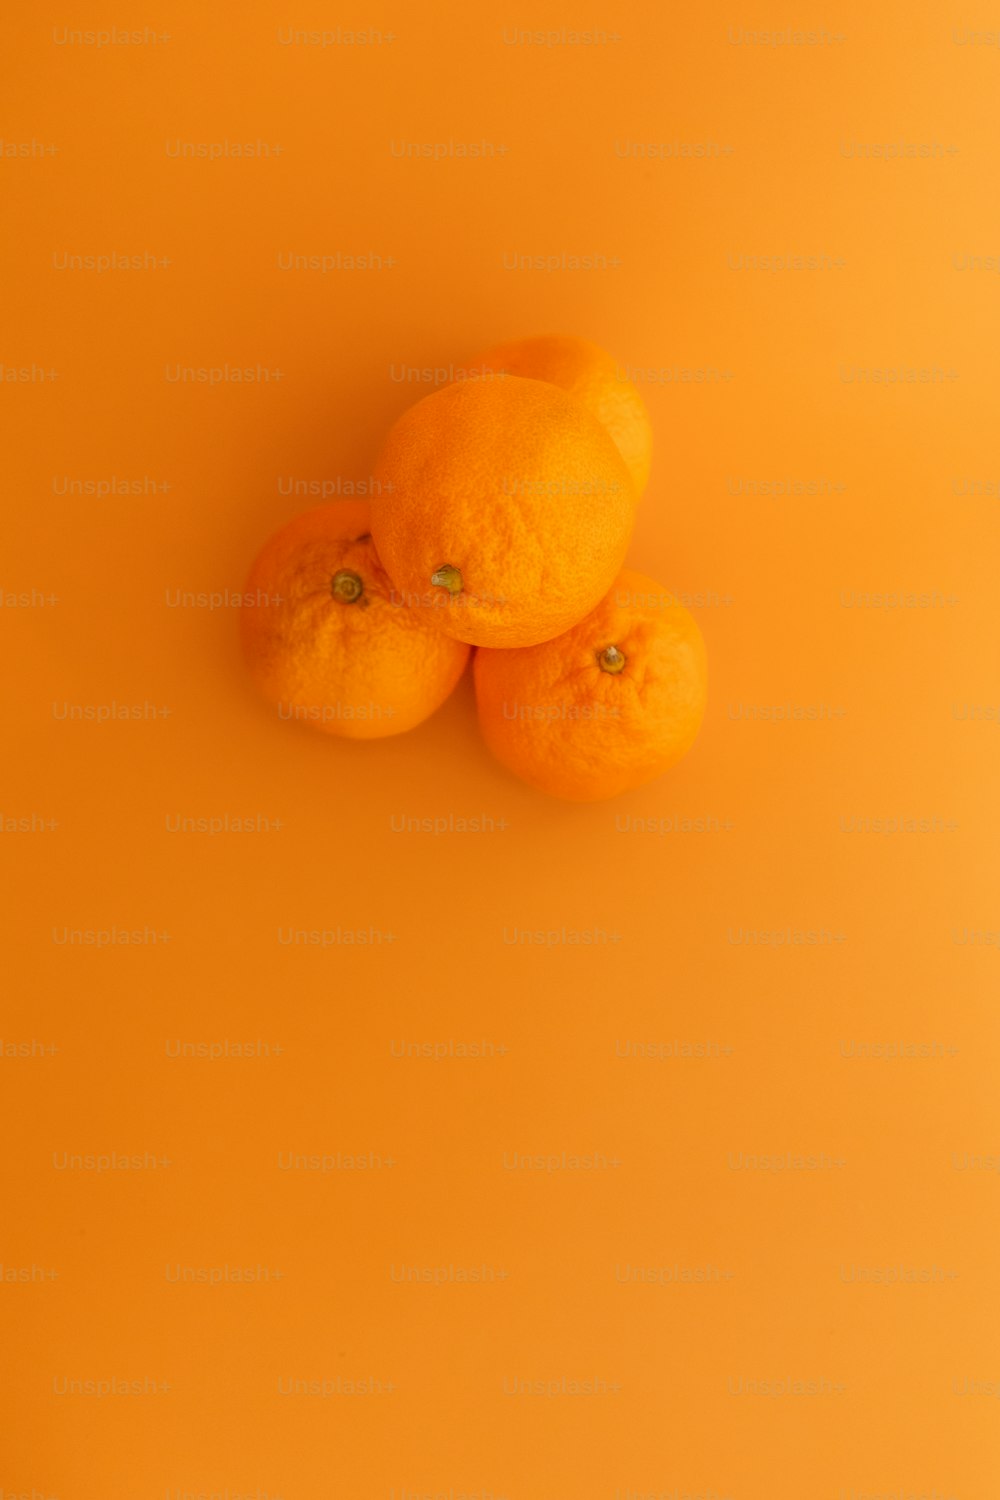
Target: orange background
[{"x": 866, "y": 1264}]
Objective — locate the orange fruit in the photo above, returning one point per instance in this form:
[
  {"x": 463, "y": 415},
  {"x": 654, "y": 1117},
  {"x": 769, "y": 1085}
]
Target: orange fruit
[
  {"x": 605, "y": 707},
  {"x": 504, "y": 510},
  {"x": 594, "y": 377},
  {"x": 326, "y": 639}
]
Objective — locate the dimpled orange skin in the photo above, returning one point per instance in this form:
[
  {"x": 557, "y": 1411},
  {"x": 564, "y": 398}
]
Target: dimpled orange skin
[
  {"x": 362, "y": 669},
  {"x": 594, "y": 377},
  {"x": 555, "y": 718},
  {"x": 513, "y": 486}
]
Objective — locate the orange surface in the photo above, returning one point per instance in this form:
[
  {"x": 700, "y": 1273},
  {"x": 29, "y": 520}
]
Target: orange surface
[{"x": 566, "y": 1062}]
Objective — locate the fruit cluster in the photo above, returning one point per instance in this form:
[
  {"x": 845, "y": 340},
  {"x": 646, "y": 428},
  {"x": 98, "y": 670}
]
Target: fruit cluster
[{"x": 502, "y": 511}]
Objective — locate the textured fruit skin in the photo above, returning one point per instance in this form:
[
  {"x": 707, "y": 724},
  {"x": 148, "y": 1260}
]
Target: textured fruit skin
[
  {"x": 362, "y": 670},
  {"x": 515, "y": 484},
  {"x": 594, "y": 377},
  {"x": 553, "y": 717}
]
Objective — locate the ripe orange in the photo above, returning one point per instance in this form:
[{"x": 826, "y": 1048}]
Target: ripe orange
[
  {"x": 326, "y": 639},
  {"x": 605, "y": 707},
  {"x": 594, "y": 377},
  {"x": 504, "y": 510}
]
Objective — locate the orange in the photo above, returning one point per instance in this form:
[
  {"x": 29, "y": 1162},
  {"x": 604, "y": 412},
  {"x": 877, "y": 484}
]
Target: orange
[
  {"x": 504, "y": 510},
  {"x": 594, "y": 377},
  {"x": 609, "y": 705},
  {"x": 327, "y": 641}
]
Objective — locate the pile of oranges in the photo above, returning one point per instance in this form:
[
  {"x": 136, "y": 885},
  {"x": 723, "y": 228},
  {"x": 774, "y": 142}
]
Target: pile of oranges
[{"x": 502, "y": 512}]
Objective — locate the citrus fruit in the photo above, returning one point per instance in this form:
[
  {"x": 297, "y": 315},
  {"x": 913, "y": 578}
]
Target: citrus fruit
[
  {"x": 328, "y": 643},
  {"x": 504, "y": 510},
  {"x": 594, "y": 377},
  {"x": 605, "y": 707}
]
